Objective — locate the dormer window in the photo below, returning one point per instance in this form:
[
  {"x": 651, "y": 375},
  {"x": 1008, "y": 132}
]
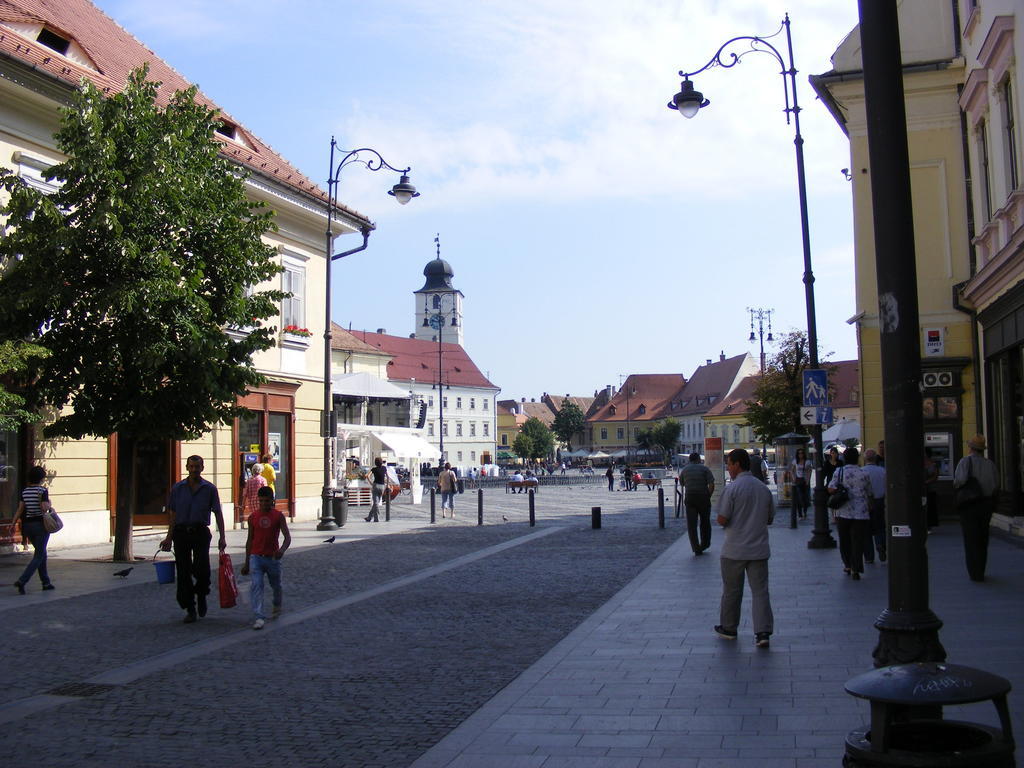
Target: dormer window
[
  {"x": 642, "y": 409},
  {"x": 229, "y": 130},
  {"x": 54, "y": 41},
  {"x": 611, "y": 411}
]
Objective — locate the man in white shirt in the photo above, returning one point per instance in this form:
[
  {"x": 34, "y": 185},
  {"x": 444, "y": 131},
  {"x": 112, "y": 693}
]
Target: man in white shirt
[{"x": 745, "y": 510}]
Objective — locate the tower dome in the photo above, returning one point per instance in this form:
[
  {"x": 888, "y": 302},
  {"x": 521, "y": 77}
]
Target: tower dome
[{"x": 439, "y": 275}]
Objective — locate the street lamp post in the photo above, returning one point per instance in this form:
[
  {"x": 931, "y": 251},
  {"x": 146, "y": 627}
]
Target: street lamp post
[
  {"x": 403, "y": 192},
  {"x": 760, "y": 315},
  {"x": 689, "y": 102}
]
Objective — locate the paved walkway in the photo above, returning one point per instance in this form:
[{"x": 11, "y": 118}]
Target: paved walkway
[{"x": 645, "y": 682}]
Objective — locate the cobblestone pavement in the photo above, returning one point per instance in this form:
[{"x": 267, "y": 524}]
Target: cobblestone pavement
[{"x": 373, "y": 681}]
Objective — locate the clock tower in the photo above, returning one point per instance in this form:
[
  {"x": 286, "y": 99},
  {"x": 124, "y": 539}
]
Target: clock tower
[{"x": 438, "y": 303}]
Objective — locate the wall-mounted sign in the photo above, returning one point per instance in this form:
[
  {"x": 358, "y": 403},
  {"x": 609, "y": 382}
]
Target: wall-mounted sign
[{"x": 934, "y": 342}]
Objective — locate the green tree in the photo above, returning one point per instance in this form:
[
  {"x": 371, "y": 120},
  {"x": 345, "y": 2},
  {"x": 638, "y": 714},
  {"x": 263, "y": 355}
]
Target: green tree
[
  {"x": 15, "y": 360},
  {"x": 541, "y": 439},
  {"x": 665, "y": 436},
  {"x": 569, "y": 422},
  {"x": 778, "y": 397},
  {"x": 522, "y": 445},
  {"x": 132, "y": 271}
]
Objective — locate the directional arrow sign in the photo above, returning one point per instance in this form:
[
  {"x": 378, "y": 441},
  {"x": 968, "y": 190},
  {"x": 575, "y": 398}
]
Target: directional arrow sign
[{"x": 808, "y": 416}]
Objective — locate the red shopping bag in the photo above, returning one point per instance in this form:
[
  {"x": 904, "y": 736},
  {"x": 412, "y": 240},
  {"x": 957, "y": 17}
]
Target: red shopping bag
[{"x": 226, "y": 582}]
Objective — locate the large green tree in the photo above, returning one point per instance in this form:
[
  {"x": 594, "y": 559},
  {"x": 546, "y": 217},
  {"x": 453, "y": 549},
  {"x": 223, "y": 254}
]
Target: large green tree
[
  {"x": 15, "y": 360},
  {"x": 569, "y": 422},
  {"x": 661, "y": 436},
  {"x": 775, "y": 406},
  {"x": 539, "y": 442},
  {"x": 133, "y": 271}
]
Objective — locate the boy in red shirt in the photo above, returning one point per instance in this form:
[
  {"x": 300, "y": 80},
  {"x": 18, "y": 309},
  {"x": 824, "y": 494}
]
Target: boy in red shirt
[{"x": 263, "y": 554}]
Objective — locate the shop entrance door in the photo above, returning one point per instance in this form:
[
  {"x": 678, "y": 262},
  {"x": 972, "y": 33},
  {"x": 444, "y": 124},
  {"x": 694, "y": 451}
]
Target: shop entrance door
[{"x": 155, "y": 462}]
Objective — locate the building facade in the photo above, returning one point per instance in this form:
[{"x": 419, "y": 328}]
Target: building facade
[{"x": 45, "y": 49}]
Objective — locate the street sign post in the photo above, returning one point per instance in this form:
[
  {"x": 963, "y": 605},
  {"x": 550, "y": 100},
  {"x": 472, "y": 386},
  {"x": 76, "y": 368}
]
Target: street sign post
[
  {"x": 815, "y": 387},
  {"x": 812, "y": 415}
]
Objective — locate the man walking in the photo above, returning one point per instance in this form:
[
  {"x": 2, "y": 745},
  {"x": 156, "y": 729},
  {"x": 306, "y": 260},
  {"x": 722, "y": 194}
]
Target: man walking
[
  {"x": 698, "y": 484},
  {"x": 976, "y": 515},
  {"x": 192, "y": 500},
  {"x": 263, "y": 553},
  {"x": 610, "y": 474},
  {"x": 745, "y": 510},
  {"x": 446, "y": 483},
  {"x": 758, "y": 466}
]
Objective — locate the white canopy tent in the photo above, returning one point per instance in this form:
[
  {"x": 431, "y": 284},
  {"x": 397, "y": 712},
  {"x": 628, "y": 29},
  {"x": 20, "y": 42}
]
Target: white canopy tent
[
  {"x": 365, "y": 385},
  {"x": 841, "y": 431}
]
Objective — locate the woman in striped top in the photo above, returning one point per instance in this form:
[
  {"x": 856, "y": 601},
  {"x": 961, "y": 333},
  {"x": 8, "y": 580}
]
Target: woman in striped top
[{"x": 34, "y": 502}]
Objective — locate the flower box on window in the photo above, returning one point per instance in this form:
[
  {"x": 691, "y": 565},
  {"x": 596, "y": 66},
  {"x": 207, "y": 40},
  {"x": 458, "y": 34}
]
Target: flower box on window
[{"x": 294, "y": 330}]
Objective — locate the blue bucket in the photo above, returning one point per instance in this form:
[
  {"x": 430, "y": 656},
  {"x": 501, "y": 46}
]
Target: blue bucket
[{"x": 164, "y": 571}]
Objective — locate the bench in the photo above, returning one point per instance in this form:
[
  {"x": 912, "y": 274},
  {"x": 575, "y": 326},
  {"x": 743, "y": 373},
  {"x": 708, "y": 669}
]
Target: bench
[
  {"x": 650, "y": 482},
  {"x": 521, "y": 484}
]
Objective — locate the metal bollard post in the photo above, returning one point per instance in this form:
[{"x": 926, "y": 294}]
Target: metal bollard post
[
  {"x": 595, "y": 517},
  {"x": 533, "y": 518},
  {"x": 433, "y": 502},
  {"x": 661, "y": 507},
  {"x": 387, "y": 504},
  {"x": 678, "y": 500},
  {"x": 480, "y": 506}
]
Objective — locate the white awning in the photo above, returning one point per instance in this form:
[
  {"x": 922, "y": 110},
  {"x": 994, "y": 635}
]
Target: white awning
[
  {"x": 408, "y": 445},
  {"x": 365, "y": 385}
]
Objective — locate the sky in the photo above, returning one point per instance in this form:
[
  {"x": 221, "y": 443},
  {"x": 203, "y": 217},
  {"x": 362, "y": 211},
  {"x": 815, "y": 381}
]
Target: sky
[{"x": 593, "y": 232}]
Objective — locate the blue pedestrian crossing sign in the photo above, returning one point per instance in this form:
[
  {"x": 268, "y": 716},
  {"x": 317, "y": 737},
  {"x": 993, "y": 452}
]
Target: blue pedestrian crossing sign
[{"x": 815, "y": 387}]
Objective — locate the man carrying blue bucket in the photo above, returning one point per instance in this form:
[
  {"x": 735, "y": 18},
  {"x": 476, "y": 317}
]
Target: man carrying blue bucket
[{"x": 192, "y": 501}]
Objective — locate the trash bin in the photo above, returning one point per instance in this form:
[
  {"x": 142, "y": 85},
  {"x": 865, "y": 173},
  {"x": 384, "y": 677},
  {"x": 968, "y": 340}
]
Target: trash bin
[{"x": 339, "y": 508}]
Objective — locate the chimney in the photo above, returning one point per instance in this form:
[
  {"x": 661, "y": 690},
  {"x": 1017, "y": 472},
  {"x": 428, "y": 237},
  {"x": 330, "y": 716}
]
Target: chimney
[
  {"x": 381, "y": 331},
  {"x": 412, "y": 335},
  {"x": 709, "y": 361},
  {"x": 721, "y": 356}
]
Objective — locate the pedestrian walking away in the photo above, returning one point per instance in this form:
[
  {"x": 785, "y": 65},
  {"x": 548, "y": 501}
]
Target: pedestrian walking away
[
  {"x": 698, "y": 485},
  {"x": 446, "y": 483},
  {"x": 876, "y": 505},
  {"x": 251, "y": 490},
  {"x": 32, "y": 505},
  {"x": 192, "y": 502},
  {"x": 758, "y": 466},
  {"x": 745, "y": 511},
  {"x": 977, "y": 487},
  {"x": 800, "y": 475},
  {"x": 610, "y": 474},
  {"x": 263, "y": 553},
  {"x": 379, "y": 480},
  {"x": 853, "y": 520}
]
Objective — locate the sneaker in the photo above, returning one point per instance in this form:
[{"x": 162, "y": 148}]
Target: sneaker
[
  {"x": 761, "y": 640},
  {"x": 20, "y": 587},
  {"x": 47, "y": 587},
  {"x": 277, "y": 611},
  {"x": 201, "y": 604},
  {"x": 258, "y": 624},
  {"x": 728, "y": 634}
]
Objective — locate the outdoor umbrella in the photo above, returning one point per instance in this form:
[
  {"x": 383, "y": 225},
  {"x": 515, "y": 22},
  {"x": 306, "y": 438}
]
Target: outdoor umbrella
[{"x": 841, "y": 431}]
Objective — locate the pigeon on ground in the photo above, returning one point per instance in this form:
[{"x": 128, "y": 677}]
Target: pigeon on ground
[
  {"x": 329, "y": 540},
  {"x": 504, "y": 518},
  {"x": 123, "y": 574}
]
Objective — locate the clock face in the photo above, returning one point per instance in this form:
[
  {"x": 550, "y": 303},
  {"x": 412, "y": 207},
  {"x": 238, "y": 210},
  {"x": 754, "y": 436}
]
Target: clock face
[{"x": 436, "y": 321}]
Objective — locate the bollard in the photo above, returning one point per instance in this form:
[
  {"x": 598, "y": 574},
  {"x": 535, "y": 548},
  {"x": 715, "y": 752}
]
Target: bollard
[
  {"x": 595, "y": 517},
  {"x": 661, "y": 508},
  {"x": 678, "y": 500},
  {"x": 480, "y": 506},
  {"x": 387, "y": 504},
  {"x": 533, "y": 517},
  {"x": 433, "y": 508}
]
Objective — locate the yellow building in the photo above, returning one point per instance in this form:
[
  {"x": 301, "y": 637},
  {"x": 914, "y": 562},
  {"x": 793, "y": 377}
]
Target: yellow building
[
  {"x": 933, "y": 72},
  {"x": 46, "y": 49}
]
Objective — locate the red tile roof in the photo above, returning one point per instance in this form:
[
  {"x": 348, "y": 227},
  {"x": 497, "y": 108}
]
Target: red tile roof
[
  {"x": 417, "y": 359},
  {"x": 708, "y": 381},
  {"x": 649, "y": 397},
  {"x": 342, "y": 339},
  {"x": 734, "y": 404},
  {"x": 554, "y": 402},
  {"x": 115, "y": 53}
]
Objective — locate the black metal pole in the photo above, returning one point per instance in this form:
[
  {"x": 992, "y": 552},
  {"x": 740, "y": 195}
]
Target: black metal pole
[
  {"x": 533, "y": 517},
  {"x": 595, "y": 518},
  {"x": 479, "y": 506},
  {"x": 908, "y": 630},
  {"x": 387, "y": 504},
  {"x": 433, "y": 505},
  {"x": 661, "y": 507}
]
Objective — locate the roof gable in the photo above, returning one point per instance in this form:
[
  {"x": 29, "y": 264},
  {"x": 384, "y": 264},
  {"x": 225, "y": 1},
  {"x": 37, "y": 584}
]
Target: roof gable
[
  {"x": 650, "y": 391},
  {"x": 109, "y": 54}
]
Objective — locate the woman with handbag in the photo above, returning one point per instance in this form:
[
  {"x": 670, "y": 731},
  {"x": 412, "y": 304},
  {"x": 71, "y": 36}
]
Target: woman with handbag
[
  {"x": 853, "y": 518},
  {"x": 800, "y": 476},
  {"x": 976, "y": 482},
  {"x": 34, "y": 504}
]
